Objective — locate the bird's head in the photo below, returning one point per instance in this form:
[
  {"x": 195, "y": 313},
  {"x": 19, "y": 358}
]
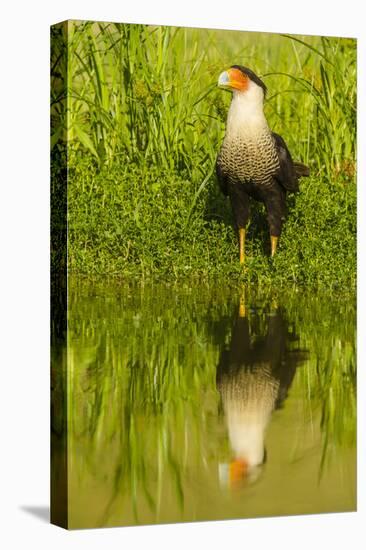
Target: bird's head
[
  {"x": 241, "y": 80},
  {"x": 240, "y": 472}
]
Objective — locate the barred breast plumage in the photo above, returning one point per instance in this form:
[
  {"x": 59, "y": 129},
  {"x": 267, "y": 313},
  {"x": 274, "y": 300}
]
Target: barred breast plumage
[{"x": 249, "y": 159}]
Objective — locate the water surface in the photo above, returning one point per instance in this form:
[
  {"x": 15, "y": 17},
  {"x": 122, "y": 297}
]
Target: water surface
[{"x": 201, "y": 403}]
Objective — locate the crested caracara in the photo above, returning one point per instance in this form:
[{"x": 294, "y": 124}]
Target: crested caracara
[
  {"x": 254, "y": 161},
  {"x": 254, "y": 375}
]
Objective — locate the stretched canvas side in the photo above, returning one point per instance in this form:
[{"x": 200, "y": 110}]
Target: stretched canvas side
[{"x": 59, "y": 444}]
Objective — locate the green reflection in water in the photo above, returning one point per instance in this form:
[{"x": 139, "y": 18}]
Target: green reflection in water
[{"x": 194, "y": 403}]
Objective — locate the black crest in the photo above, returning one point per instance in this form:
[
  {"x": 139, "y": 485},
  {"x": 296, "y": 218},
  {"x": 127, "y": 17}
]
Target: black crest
[{"x": 252, "y": 76}]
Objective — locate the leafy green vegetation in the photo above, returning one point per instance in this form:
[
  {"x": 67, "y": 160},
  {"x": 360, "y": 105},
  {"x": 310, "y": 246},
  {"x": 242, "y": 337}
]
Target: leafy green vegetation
[
  {"x": 142, "y": 116},
  {"x": 135, "y": 222}
]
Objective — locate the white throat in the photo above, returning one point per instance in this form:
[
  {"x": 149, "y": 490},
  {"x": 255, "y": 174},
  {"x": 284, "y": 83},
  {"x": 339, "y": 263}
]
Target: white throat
[
  {"x": 246, "y": 432},
  {"x": 246, "y": 117}
]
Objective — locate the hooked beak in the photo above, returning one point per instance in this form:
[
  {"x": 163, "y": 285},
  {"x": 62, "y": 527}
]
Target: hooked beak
[{"x": 224, "y": 80}]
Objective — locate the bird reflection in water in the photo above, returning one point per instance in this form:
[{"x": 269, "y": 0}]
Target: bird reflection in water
[{"x": 254, "y": 375}]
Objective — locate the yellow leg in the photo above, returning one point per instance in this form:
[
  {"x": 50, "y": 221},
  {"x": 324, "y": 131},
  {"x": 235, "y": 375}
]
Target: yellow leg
[
  {"x": 242, "y": 310},
  {"x": 241, "y": 245},
  {"x": 274, "y": 242}
]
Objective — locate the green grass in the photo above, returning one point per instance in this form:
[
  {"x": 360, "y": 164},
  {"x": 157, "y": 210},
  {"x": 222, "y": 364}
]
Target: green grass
[
  {"x": 136, "y": 223},
  {"x": 143, "y": 119}
]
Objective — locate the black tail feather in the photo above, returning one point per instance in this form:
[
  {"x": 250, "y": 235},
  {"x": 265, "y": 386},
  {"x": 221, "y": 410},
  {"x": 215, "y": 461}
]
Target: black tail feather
[{"x": 301, "y": 170}]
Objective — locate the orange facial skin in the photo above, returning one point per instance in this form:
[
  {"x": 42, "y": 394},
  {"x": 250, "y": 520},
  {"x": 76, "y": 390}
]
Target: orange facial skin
[
  {"x": 233, "y": 79},
  {"x": 238, "y": 470},
  {"x": 238, "y": 80}
]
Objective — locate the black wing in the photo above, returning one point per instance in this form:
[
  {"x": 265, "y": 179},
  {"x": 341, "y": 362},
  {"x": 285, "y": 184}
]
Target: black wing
[
  {"x": 286, "y": 174},
  {"x": 222, "y": 178}
]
